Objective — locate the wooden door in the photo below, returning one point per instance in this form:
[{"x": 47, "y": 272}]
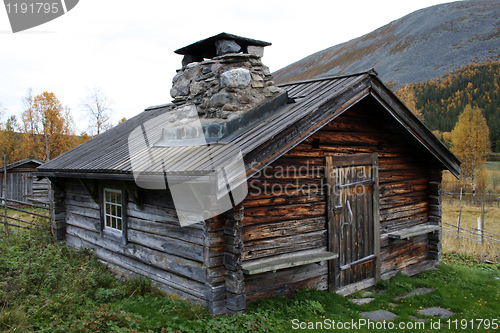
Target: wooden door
[{"x": 353, "y": 221}]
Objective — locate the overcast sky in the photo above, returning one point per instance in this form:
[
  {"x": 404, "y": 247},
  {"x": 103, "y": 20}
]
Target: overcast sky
[{"x": 126, "y": 47}]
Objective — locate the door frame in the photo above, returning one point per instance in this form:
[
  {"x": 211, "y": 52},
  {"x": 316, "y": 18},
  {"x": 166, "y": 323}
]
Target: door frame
[{"x": 332, "y": 227}]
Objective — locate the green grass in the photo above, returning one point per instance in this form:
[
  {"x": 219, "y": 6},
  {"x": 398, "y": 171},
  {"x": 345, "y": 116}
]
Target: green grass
[{"x": 47, "y": 287}]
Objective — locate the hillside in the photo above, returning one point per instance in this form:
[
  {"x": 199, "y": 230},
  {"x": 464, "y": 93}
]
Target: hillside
[
  {"x": 443, "y": 100},
  {"x": 420, "y": 46}
]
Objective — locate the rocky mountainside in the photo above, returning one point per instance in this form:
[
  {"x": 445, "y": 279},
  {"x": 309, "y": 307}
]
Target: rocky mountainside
[{"x": 420, "y": 46}]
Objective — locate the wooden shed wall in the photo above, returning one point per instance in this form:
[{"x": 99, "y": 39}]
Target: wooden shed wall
[
  {"x": 279, "y": 224},
  {"x": 173, "y": 257},
  {"x": 23, "y": 186}
]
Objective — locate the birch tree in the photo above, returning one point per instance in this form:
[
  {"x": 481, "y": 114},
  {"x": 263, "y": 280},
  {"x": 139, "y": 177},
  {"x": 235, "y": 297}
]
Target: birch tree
[
  {"x": 97, "y": 108},
  {"x": 470, "y": 143}
]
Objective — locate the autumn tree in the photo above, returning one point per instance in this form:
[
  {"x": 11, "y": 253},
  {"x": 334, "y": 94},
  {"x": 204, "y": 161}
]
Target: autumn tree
[
  {"x": 10, "y": 140},
  {"x": 49, "y": 126},
  {"x": 407, "y": 95},
  {"x": 98, "y": 110},
  {"x": 470, "y": 143},
  {"x": 2, "y": 133}
]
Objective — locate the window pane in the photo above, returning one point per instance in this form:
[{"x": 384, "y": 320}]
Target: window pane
[{"x": 113, "y": 210}]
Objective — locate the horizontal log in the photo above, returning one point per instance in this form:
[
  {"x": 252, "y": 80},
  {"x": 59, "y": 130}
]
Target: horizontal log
[
  {"x": 317, "y": 282},
  {"x": 314, "y": 244},
  {"x": 216, "y": 275},
  {"x": 418, "y": 267},
  {"x": 291, "y": 275},
  {"x": 282, "y": 213},
  {"x": 403, "y": 200},
  {"x": 355, "y": 124},
  {"x": 87, "y": 212},
  {"x": 270, "y": 243},
  {"x": 83, "y": 222},
  {"x": 398, "y": 212},
  {"x": 235, "y": 282},
  {"x": 170, "y": 263},
  {"x": 168, "y": 245},
  {"x": 390, "y": 176},
  {"x": 306, "y": 151},
  {"x": 259, "y": 266},
  {"x": 177, "y": 285},
  {"x": 283, "y": 229},
  {"x": 216, "y": 307},
  {"x": 195, "y": 236},
  {"x": 358, "y": 138},
  {"x": 215, "y": 293},
  {"x": 129, "y": 274},
  {"x": 81, "y": 200},
  {"x": 291, "y": 171},
  {"x": 236, "y": 302},
  {"x": 403, "y": 222},
  {"x": 283, "y": 200},
  {"x": 285, "y": 190}
]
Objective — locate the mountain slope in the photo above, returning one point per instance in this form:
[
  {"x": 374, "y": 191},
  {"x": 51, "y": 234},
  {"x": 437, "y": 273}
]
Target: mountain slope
[{"x": 420, "y": 46}]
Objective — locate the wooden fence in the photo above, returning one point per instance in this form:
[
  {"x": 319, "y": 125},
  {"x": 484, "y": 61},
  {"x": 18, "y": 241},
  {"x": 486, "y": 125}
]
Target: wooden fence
[
  {"x": 10, "y": 205},
  {"x": 470, "y": 234}
]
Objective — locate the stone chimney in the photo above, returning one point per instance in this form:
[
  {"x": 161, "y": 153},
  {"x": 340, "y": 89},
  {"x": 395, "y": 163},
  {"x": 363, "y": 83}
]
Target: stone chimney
[{"x": 222, "y": 78}]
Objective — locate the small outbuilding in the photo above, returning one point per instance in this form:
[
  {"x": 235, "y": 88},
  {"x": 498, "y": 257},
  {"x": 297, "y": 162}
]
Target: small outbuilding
[
  {"x": 17, "y": 182},
  {"x": 241, "y": 189}
]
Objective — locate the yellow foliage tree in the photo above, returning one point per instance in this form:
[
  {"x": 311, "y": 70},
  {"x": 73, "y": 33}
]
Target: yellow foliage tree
[
  {"x": 407, "y": 95},
  {"x": 10, "y": 140},
  {"x": 470, "y": 143},
  {"x": 49, "y": 128}
]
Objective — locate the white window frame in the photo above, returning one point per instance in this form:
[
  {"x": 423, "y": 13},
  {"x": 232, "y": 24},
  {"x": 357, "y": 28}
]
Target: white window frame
[{"x": 113, "y": 232}]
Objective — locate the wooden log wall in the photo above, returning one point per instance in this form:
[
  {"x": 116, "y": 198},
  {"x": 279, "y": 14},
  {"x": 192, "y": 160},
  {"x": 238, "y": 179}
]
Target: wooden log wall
[
  {"x": 285, "y": 214},
  {"x": 277, "y": 224},
  {"x": 233, "y": 248},
  {"x": 179, "y": 260}
]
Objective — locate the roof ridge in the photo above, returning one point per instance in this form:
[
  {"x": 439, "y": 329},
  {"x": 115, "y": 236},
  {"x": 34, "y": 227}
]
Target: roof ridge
[{"x": 370, "y": 71}]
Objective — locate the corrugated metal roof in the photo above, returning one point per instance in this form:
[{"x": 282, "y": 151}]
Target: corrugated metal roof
[{"x": 108, "y": 153}]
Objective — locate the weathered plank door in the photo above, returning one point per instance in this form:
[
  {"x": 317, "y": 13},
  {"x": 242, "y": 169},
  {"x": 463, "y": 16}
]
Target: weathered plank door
[{"x": 353, "y": 221}]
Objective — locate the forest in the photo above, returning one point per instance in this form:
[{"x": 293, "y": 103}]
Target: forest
[
  {"x": 46, "y": 128},
  {"x": 441, "y": 101}
]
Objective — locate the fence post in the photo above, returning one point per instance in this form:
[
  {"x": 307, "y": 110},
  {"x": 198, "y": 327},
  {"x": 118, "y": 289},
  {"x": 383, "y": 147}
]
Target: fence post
[
  {"x": 4, "y": 194},
  {"x": 482, "y": 215}
]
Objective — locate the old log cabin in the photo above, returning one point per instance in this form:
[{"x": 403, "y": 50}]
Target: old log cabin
[
  {"x": 17, "y": 182},
  {"x": 333, "y": 184}
]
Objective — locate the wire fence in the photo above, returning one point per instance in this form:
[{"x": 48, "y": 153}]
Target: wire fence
[
  {"x": 28, "y": 215},
  {"x": 470, "y": 234}
]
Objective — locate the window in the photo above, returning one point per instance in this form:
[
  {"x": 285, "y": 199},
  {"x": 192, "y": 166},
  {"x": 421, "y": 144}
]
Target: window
[
  {"x": 113, "y": 217},
  {"x": 114, "y": 220}
]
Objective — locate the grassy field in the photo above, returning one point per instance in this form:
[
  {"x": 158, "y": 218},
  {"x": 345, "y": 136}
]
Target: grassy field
[
  {"x": 47, "y": 287},
  {"x": 470, "y": 213}
]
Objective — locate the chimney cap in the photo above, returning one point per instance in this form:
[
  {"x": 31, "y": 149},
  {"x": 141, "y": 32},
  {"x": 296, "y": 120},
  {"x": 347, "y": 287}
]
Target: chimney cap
[{"x": 206, "y": 48}]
